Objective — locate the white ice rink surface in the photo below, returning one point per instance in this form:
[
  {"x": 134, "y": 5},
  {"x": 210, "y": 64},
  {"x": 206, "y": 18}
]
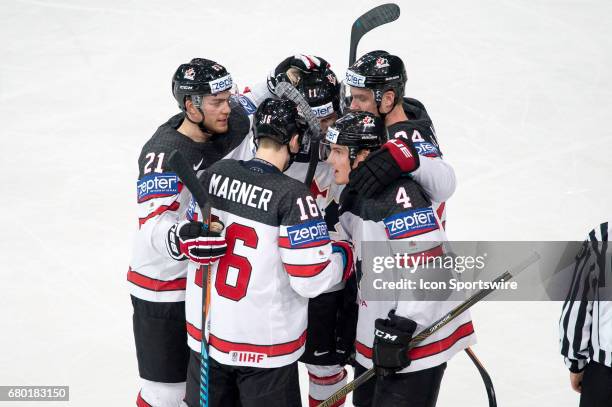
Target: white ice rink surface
[{"x": 519, "y": 92}]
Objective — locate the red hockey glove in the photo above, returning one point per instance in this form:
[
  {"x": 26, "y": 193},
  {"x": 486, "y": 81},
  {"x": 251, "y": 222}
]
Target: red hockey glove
[{"x": 193, "y": 240}]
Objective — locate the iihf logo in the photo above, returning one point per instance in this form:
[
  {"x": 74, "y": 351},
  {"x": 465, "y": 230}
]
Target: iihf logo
[
  {"x": 190, "y": 74},
  {"x": 381, "y": 62}
]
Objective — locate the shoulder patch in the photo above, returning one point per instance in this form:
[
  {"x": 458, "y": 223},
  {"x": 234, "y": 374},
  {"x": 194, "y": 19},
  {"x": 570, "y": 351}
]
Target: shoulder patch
[
  {"x": 411, "y": 223},
  {"x": 157, "y": 186},
  {"x": 306, "y": 233}
]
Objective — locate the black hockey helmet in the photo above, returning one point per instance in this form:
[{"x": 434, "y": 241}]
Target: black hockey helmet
[
  {"x": 277, "y": 119},
  {"x": 357, "y": 131},
  {"x": 198, "y": 78},
  {"x": 322, "y": 92},
  {"x": 380, "y": 72}
]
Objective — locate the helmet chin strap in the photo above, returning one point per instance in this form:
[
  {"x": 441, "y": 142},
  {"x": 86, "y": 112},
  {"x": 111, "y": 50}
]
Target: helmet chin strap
[
  {"x": 291, "y": 158},
  {"x": 200, "y": 124}
]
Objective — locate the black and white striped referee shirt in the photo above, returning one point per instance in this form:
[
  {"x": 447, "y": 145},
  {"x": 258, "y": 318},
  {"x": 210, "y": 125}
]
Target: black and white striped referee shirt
[{"x": 585, "y": 326}]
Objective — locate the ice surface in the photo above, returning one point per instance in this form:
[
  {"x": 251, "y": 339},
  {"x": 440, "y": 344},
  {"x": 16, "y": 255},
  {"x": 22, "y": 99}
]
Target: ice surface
[{"x": 519, "y": 92}]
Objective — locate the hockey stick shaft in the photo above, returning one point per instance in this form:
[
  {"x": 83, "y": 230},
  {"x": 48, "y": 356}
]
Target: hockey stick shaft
[
  {"x": 485, "y": 377},
  {"x": 435, "y": 327},
  {"x": 373, "y": 18},
  {"x": 190, "y": 179},
  {"x": 288, "y": 91}
]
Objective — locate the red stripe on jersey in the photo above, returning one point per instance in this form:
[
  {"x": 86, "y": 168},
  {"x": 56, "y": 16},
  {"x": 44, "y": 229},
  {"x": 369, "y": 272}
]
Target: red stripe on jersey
[
  {"x": 430, "y": 349},
  {"x": 413, "y": 233},
  {"x": 422, "y": 257},
  {"x": 140, "y": 402},
  {"x": 279, "y": 349},
  {"x": 308, "y": 270},
  {"x": 154, "y": 284},
  {"x": 440, "y": 209},
  {"x": 314, "y": 403},
  {"x": 285, "y": 243},
  {"x": 443, "y": 344},
  {"x": 194, "y": 332},
  {"x": 148, "y": 198},
  {"x": 327, "y": 380},
  {"x": 163, "y": 208}
]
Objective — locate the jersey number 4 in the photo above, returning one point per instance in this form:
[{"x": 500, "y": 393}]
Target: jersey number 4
[{"x": 234, "y": 271}]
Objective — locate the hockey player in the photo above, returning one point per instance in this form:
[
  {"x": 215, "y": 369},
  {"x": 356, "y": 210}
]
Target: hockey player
[
  {"x": 206, "y": 130},
  {"x": 330, "y": 341},
  {"x": 279, "y": 255},
  {"x": 407, "y": 378},
  {"x": 375, "y": 83},
  {"x": 585, "y": 325}
]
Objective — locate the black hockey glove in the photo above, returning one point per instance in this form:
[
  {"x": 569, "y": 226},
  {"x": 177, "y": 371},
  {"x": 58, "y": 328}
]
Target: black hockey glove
[
  {"x": 396, "y": 157},
  {"x": 292, "y": 68},
  {"x": 194, "y": 241},
  {"x": 391, "y": 339}
]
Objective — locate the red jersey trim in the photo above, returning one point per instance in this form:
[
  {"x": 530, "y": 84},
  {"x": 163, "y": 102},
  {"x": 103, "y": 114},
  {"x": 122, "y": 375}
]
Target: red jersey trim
[
  {"x": 286, "y": 244},
  {"x": 140, "y": 402},
  {"x": 153, "y": 284},
  {"x": 430, "y": 349},
  {"x": 308, "y": 270},
  {"x": 225, "y": 346},
  {"x": 440, "y": 210},
  {"x": 163, "y": 208}
]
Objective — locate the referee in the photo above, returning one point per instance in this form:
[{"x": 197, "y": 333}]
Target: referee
[{"x": 585, "y": 326}]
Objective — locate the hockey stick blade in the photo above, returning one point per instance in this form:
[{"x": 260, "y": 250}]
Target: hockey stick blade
[
  {"x": 485, "y": 377},
  {"x": 376, "y": 17},
  {"x": 288, "y": 91},
  {"x": 435, "y": 327}
]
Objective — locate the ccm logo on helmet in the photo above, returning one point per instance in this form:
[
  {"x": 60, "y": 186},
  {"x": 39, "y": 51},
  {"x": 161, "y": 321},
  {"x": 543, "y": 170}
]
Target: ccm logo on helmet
[
  {"x": 385, "y": 336},
  {"x": 221, "y": 84},
  {"x": 308, "y": 232}
]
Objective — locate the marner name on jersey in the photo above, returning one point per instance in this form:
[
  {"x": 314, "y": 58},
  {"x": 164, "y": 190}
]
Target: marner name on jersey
[{"x": 240, "y": 192}]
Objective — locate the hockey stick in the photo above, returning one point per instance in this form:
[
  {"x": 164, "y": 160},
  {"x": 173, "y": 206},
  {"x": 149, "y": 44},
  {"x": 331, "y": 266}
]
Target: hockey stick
[
  {"x": 190, "y": 180},
  {"x": 376, "y": 17},
  {"x": 485, "y": 377},
  {"x": 288, "y": 91},
  {"x": 435, "y": 327}
]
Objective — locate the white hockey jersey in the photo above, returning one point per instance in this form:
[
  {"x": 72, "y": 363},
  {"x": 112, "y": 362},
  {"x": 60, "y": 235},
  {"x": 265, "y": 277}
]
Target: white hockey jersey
[
  {"x": 279, "y": 255},
  {"x": 402, "y": 213},
  {"x": 153, "y": 274}
]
